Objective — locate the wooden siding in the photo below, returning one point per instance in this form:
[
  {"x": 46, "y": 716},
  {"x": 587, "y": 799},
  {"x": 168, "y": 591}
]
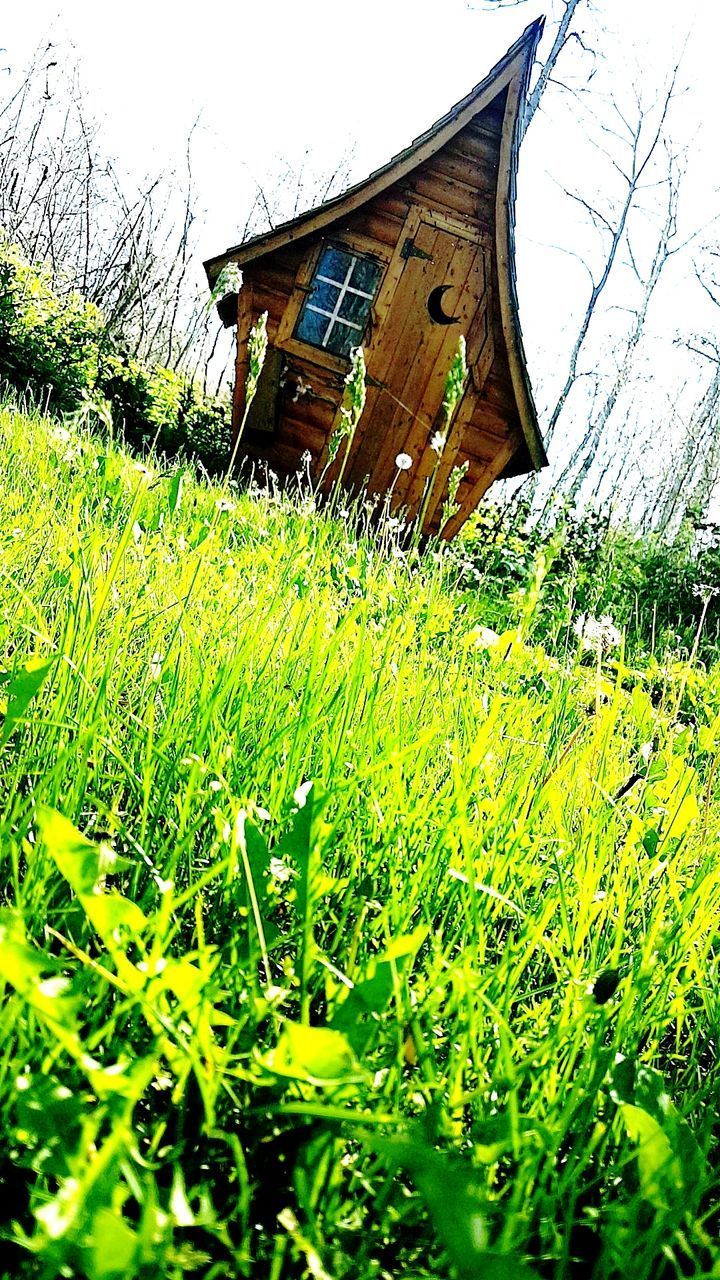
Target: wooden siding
[{"x": 458, "y": 184}]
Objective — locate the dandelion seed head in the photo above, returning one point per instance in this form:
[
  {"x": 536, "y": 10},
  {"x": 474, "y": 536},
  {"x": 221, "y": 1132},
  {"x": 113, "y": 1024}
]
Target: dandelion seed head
[{"x": 597, "y": 633}]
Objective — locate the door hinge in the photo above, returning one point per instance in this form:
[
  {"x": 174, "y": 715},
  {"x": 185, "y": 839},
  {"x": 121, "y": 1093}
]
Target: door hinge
[{"x": 410, "y": 250}]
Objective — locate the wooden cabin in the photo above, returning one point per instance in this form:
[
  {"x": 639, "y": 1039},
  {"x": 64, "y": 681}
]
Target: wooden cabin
[{"x": 400, "y": 264}]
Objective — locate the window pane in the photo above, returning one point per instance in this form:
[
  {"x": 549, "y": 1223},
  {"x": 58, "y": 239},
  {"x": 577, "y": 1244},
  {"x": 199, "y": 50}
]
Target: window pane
[
  {"x": 334, "y": 264},
  {"x": 365, "y": 275},
  {"x": 323, "y": 295},
  {"x": 312, "y": 327},
  {"x": 343, "y": 339},
  {"x": 335, "y": 288},
  {"x": 354, "y": 307}
]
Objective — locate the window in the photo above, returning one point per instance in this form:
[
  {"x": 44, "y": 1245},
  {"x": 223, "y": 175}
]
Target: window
[{"x": 336, "y": 310}]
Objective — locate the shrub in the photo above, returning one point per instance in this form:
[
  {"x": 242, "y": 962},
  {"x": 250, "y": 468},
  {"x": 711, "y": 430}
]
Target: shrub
[
  {"x": 57, "y": 348},
  {"x": 47, "y": 343},
  {"x": 657, "y": 592}
]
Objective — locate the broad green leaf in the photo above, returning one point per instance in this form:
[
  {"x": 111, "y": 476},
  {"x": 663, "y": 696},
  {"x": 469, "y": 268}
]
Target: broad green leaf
[
  {"x": 113, "y": 1253},
  {"x": 358, "y": 1015},
  {"x": 189, "y": 985},
  {"x": 33, "y": 976},
  {"x": 118, "y": 922},
  {"x": 676, "y": 793},
  {"x": 298, "y": 843},
  {"x": 248, "y": 875},
  {"x": 120, "y": 1079},
  {"x": 23, "y": 686},
  {"x": 175, "y": 491},
  {"x": 683, "y": 808},
  {"x": 671, "y": 1165},
  {"x": 111, "y": 914},
  {"x": 258, "y": 853},
  {"x": 78, "y": 859},
  {"x": 317, "y": 1055},
  {"x": 84, "y": 863},
  {"x": 656, "y": 1164},
  {"x": 650, "y": 841},
  {"x": 455, "y": 1195},
  {"x": 404, "y": 947},
  {"x": 494, "y": 1135},
  {"x": 48, "y": 1121}
]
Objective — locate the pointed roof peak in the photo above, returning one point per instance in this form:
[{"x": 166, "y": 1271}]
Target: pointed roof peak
[{"x": 517, "y": 60}]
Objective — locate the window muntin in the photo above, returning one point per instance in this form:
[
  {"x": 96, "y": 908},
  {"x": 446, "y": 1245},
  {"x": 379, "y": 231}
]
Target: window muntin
[{"x": 336, "y": 310}]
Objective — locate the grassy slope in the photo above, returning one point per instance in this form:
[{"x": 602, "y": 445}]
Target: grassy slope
[{"x": 469, "y": 860}]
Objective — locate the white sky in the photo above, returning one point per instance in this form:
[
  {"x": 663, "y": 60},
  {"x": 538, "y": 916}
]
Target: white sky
[{"x": 285, "y": 77}]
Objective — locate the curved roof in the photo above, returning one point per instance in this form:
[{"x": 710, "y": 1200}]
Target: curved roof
[{"x": 511, "y": 73}]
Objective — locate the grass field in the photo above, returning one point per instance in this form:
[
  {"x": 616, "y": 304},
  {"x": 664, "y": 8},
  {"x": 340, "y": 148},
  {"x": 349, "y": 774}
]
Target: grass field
[{"x": 339, "y": 938}]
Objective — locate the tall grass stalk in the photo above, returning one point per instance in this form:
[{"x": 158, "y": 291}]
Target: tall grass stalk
[
  {"x": 257, "y": 350},
  {"x": 454, "y": 387},
  {"x": 350, "y": 414}
]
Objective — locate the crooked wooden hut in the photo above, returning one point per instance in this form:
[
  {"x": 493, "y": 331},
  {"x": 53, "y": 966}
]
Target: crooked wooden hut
[{"x": 400, "y": 264}]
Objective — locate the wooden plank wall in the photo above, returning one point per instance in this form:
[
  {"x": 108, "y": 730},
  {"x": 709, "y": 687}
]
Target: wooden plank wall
[{"x": 460, "y": 181}]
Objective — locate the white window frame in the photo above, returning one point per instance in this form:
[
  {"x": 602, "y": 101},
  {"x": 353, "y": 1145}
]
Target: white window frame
[{"x": 333, "y": 317}]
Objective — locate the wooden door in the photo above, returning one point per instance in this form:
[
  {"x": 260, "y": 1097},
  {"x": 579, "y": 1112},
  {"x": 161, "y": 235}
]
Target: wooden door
[{"x": 411, "y": 353}]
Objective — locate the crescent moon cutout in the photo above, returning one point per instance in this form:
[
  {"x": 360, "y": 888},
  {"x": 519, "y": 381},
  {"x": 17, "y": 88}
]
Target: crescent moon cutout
[{"x": 435, "y": 307}]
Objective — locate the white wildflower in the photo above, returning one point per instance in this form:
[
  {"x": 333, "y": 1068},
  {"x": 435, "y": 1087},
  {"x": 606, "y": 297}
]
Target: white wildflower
[
  {"x": 280, "y": 871},
  {"x": 437, "y": 443},
  {"x": 302, "y": 792},
  {"x": 482, "y": 637},
  {"x": 156, "y": 666},
  {"x": 161, "y": 1082},
  {"x": 403, "y": 462},
  {"x": 301, "y": 389},
  {"x": 229, "y": 281},
  {"x": 597, "y": 633}
]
